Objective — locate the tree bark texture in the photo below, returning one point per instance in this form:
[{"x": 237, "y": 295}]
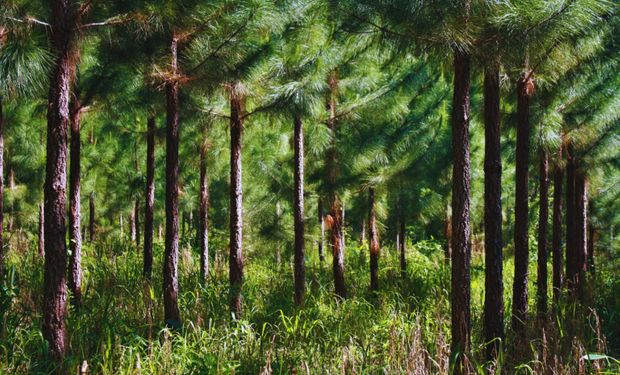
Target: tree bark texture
[
  {"x": 298, "y": 202},
  {"x": 75, "y": 234},
  {"x": 581, "y": 227},
  {"x": 556, "y": 241},
  {"x": 322, "y": 228}
]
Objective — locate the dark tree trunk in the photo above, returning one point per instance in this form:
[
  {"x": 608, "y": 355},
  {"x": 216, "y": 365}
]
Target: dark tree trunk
[
  {"x": 543, "y": 219},
  {"x": 171, "y": 253},
  {"x": 91, "y": 219},
  {"x": 136, "y": 218},
  {"x": 403, "y": 246},
  {"x": 322, "y": 225},
  {"x": 373, "y": 242},
  {"x": 494, "y": 287},
  {"x": 75, "y": 235},
  {"x": 149, "y": 199},
  {"x": 203, "y": 235},
  {"x": 461, "y": 246},
  {"x": 581, "y": 225},
  {"x": 300, "y": 264},
  {"x": 335, "y": 207},
  {"x": 1, "y": 190},
  {"x": 55, "y": 279},
  {"x": 519, "y": 288},
  {"x": 237, "y": 102},
  {"x": 556, "y": 245},
  {"x": 41, "y": 230},
  {"x": 571, "y": 255}
]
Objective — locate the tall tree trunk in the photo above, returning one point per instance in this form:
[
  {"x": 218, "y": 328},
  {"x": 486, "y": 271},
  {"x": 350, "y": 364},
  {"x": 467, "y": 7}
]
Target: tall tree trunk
[
  {"x": 335, "y": 207},
  {"x": 91, "y": 219},
  {"x": 203, "y": 235},
  {"x": 75, "y": 235},
  {"x": 543, "y": 219},
  {"x": 41, "y": 230},
  {"x": 461, "y": 246},
  {"x": 556, "y": 245},
  {"x": 519, "y": 288},
  {"x": 373, "y": 242},
  {"x": 403, "y": 246},
  {"x": 132, "y": 224},
  {"x": 237, "y": 110},
  {"x": 136, "y": 218},
  {"x": 494, "y": 287},
  {"x": 1, "y": 190},
  {"x": 571, "y": 253},
  {"x": 149, "y": 199},
  {"x": 322, "y": 225},
  {"x": 300, "y": 263},
  {"x": 55, "y": 279},
  {"x": 591, "y": 241},
  {"x": 171, "y": 252},
  {"x": 581, "y": 225}
]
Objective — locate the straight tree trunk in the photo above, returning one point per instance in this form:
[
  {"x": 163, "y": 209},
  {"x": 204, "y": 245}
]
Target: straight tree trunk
[
  {"x": 519, "y": 288},
  {"x": 581, "y": 226},
  {"x": 461, "y": 246},
  {"x": 75, "y": 234},
  {"x": 203, "y": 235},
  {"x": 322, "y": 225},
  {"x": 149, "y": 199},
  {"x": 591, "y": 241},
  {"x": 300, "y": 264},
  {"x": 494, "y": 287},
  {"x": 55, "y": 279},
  {"x": 1, "y": 190},
  {"x": 132, "y": 225},
  {"x": 373, "y": 242},
  {"x": 571, "y": 252},
  {"x": 171, "y": 253},
  {"x": 91, "y": 219},
  {"x": 556, "y": 245},
  {"x": 237, "y": 102},
  {"x": 543, "y": 219},
  {"x": 41, "y": 230}
]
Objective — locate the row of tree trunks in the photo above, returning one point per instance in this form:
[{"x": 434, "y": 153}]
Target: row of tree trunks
[
  {"x": 149, "y": 199},
  {"x": 556, "y": 241},
  {"x": 171, "y": 253},
  {"x": 461, "y": 249},
  {"x": 519, "y": 290},
  {"x": 373, "y": 242},
  {"x": 55, "y": 279},
  {"x": 203, "y": 208},
  {"x": 543, "y": 219},
  {"x": 298, "y": 203},
  {"x": 237, "y": 110},
  {"x": 75, "y": 235},
  {"x": 494, "y": 287}
]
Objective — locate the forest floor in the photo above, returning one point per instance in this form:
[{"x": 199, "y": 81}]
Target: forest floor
[{"x": 403, "y": 329}]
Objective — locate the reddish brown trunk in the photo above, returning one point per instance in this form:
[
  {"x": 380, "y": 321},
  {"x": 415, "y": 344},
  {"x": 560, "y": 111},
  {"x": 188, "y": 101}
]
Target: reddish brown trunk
[
  {"x": 75, "y": 235},
  {"x": 494, "y": 287},
  {"x": 236, "y": 201},
  {"x": 571, "y": 255},
  {"x": 171, "y": 253},
  {"x": 543, "y": 219},
  {"x": 300, "y": 264},
  {"x": 1, "y": 190},
  {"x": 373, "y": 242},
  {"x": 55, "y": 280},
  {"x": 519, "y": 288},
  {"x": 91, "y": 219},
  {"x": 41, "y": 230},
  {"x": 322, "y": 226},
  {"x": 149, "y": 195},
  {"x": 556, "y": 242},
  {"x": 203, "y": 235},
  {"x": 461, "y": 247}
]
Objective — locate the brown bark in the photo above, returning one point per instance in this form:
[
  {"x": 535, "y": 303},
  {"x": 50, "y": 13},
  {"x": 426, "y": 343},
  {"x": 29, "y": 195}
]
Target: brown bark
[
  {"x": 373, "y": 242},
  {"x": 543, "y": 219},
  {"x": 556, "y": 242},
  {"x": 461, "y": 247},
  {"x": 322, "y": 225},
  {"x": 75, "y": 235},
  {"x": 237, "y": 103},
  {"x": 41, "y": 230},
  {"x": 494, "y": 287},
  {"x": 571, "y": 255},
  {"x": 203, "y": 234},
  {"x": 55, "y": 280},
  {"x": 171, "y": 253},
  {"x": 335, "y": 207},
  {"x": 1, "y": 190},
  {"x": 91, "y": 219},
  {"x": 149, "y": 195},
  {"x": 300, "y": 264},
  {"x": 519, "y": 288}
]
